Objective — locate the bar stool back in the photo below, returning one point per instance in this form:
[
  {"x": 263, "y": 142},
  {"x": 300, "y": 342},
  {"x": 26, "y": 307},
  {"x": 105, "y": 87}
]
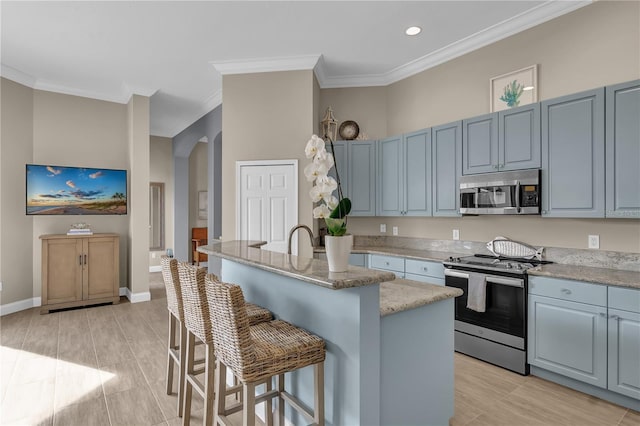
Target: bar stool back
[{"x": 258, "y": 353}]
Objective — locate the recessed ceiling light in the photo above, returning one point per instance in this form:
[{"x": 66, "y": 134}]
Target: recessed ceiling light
[
  {"x": 411, "y": 31},
  {"x": 528, "y": 88}
]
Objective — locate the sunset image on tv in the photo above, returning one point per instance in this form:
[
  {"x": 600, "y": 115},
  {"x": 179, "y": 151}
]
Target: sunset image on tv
[{"x": 54, "y": 190}]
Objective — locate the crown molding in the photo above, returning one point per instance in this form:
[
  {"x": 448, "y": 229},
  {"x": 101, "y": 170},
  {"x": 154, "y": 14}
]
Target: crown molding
[
  {"x": 535, "y": 16},
  {"x": 208, "y": 105},
  {"x": 17, "y": 76},
  {"x": 277, "y": 63}
]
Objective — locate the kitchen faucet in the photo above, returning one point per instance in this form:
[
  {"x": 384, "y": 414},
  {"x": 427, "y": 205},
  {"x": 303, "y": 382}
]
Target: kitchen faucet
[{"x": 293, "y": 230}]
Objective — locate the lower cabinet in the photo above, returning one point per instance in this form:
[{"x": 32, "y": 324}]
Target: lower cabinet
[
  {"x": 588, "y": 332},
  {"x": 79, "y": 270},
  {"x": 387, "y": 263},
  {"x": 424, "y": 271}
]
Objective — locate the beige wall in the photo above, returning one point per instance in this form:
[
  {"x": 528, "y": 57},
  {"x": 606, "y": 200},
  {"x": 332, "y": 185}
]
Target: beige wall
[
  {"x": 198, "y": 164},
  {"x": 367, "y": 106},
  {"x": 16, "y": 149},
  {"x": 161, "y": 170},
  {"x": 266, "y": 116},
  {"x": 594, "y": 46},
  {"x": 76, "y": 131}
]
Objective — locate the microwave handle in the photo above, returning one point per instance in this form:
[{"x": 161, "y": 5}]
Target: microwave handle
[{"x": 518, "y": 196}]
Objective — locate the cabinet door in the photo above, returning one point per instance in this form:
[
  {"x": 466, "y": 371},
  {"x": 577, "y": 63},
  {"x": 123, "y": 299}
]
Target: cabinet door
[
  {"x": 480, "y": 144},
  {"x": 568, "y": 338},
  {"x": 362, "y": 177},
  {"x": 624, "y": 352},
  {"x": 390, "y": 197},
  {"x": 340, "y": 157},
  {"x": 101, "y": 270},
  {"x": 573, "y": 155},
  {"x": 61, "y": 270},
  {"x": 519, "y": 138},
  {"x": 446, "y": 145},
  {"x": 417, "y": 173},
  {"x": 623, "y": 150}
]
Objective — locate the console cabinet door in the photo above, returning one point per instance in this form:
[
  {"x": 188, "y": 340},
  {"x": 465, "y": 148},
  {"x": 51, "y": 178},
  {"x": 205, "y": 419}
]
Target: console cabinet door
[
  {"x": 623, "y": 150},
  {"x": 62, "y": 270},
  {"x": 101, "y": 268},
  {"x": 362, "y": 177},
  {"x": 519, "y": 138},
  {"x": 480, "y": 144},
  {"x": 573, "y": 155},
  {"x": 446, "y": 145},
  {"x": 390, "y": 197},
  {"x": 568, "y": 338},
  {"x": 624, "y": 352}
]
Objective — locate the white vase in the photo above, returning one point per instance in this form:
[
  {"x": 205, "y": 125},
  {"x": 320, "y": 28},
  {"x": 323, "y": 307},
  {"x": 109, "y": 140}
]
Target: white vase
[{"x": 338, "y": 251}]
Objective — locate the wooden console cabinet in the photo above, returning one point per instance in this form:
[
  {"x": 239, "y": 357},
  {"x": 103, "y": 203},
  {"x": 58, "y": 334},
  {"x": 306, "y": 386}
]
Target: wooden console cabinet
[{"x": 79, "y": 270}]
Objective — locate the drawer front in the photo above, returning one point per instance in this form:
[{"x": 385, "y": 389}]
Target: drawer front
[
  {"x": 424, "y": 267},
  {"x": 425, "y": 279},
  {"x": 387, "y": 263},
  {"x": 627, "y": 299},
  {"x": 574, "y": 291}
]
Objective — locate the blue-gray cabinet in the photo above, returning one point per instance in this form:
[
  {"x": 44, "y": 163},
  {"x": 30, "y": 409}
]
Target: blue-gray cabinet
[
  {"x": 573, "y": 155},
  {"x": 624, "y": 341},
  {"x": 446, "y": 149},
  {"x": 480, "y": 144},
  {"x": 342, "y": 162},
  {"x": 404, "y": 175},
  {"x": 623, "y": 150},
  {"x": 361, "y": 171},
  {"x": 519, "y": 143},
  {"x": 568, "y": 333}
]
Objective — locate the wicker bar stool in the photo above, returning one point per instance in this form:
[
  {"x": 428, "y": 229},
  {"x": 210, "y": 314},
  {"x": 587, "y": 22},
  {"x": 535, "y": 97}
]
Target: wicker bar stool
[
  {"x": 198, "y": 324},
  {"x": 175, "y": 351},
  {"x": 257, "y": 354}
]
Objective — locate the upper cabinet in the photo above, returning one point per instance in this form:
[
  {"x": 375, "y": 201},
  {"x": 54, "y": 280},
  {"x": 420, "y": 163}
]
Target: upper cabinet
[
  {"x": 573, "y": 155},
  {"x": 505, "y": 140},
  {"x": 361, "y": 170},
  {"x": 446, "y": 143},
  {"x": 404, "y": 175},
  {"x": 340, "y": 155},
  {"x": 623, "y": 150}
]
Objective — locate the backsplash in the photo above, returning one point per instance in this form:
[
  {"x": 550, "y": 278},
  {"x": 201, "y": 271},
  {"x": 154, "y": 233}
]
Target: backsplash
[{"x": 593, "y": 258}]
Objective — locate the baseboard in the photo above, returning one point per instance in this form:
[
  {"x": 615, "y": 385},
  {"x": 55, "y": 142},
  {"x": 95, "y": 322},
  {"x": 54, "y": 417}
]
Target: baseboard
[
  {"x": 138, "y": 297},
  {"x": 20, "y": 305},
  {"x": 123, "y": 291},
  {"x": 157, "y": 268}
]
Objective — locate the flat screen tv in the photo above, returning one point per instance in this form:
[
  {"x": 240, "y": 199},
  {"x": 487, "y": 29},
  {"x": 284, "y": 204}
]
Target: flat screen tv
[{"x": 61, "y": 190}]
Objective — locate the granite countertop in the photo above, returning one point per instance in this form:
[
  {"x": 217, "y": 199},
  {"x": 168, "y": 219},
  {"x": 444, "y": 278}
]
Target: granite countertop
[
  {"x": 401, "y": 295},
  {"x": 437, "y": 256},
  {"x": 310, "y": 270},
  {"x": 614, "y": 277}
]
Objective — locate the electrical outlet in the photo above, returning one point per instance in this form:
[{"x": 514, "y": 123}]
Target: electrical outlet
[
  {"x": 456, "y": 234},
  {"x": 153, "y": 254},
  {"x": 594, "y": 241},
  {"x": 0, "y": 285},
  {"x": 383, "y": 227},
  {"x": 395, "y": 230}
]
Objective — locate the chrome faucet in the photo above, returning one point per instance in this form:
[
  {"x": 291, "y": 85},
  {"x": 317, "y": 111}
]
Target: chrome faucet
[{"x": 293, "y": 230}]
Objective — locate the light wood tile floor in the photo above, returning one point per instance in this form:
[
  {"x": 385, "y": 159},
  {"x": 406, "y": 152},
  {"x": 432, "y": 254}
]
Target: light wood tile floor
[{"x": 106, "y": 366}]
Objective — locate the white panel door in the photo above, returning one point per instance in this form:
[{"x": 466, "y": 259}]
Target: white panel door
[{"x": 268, "y": 205}]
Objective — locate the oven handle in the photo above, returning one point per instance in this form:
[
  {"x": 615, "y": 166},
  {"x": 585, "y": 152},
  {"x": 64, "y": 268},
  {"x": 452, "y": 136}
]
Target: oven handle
[{"x": 490, "y": 278}]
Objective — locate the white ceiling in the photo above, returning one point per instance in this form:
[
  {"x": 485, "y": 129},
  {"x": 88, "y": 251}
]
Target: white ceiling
[{"x": 176, "y": 52}]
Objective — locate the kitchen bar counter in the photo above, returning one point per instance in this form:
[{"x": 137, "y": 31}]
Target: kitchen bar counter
[
  {"x": 388, "y": 361},
  {"x": 606, "y": 276}
]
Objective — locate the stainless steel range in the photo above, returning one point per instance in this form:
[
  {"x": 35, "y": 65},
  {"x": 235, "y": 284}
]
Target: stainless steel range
[{"x": 491, "y": 315}]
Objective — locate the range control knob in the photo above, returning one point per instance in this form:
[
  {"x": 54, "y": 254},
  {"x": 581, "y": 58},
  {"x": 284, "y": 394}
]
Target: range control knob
[
  {"x": 520, "y": 266},
  {"x": 508, "y": 265}
]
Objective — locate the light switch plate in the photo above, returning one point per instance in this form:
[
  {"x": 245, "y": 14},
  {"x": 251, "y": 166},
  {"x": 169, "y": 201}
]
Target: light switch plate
[
  {"x": 395, "y": 230},
  {"x": 594, "y": 241},
  {"x": 456, "y": 234},
  {"x": 0, "y": 285},
  {"x": 383, "y": 227}
]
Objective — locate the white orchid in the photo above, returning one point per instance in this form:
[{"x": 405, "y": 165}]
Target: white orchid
[{"x": 322, "y": 192}]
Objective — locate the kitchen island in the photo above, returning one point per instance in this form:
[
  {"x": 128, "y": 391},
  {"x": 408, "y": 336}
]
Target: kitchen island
[{"x": 389, "y": 344}]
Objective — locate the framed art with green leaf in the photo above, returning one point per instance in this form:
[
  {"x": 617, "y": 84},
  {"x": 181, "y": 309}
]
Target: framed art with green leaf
[{"x": 513, "y": 89}]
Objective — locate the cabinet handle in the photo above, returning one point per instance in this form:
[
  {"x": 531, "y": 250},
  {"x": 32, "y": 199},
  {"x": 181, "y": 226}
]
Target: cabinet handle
[
  {"x": 424, "y": 268},
  {"x": 85, "y": 259},
  {"x": 80, "y": 260},
  {"x": 615, "y": 317},
  {"x": 602, "y": 314},
  {"x": 386, "y": 263},
  {"x": 565, "y": 291}
]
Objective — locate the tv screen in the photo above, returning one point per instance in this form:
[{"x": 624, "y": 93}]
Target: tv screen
[{"x": 58, "y": 190}]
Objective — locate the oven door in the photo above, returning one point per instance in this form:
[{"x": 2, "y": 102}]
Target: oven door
[{"x": 504, "y": 319}]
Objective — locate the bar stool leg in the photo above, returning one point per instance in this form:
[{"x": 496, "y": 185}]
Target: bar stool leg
[
  {"x": 280, "y": 387},
  {"x": 221, "y": 387},
  {"x": 183, "y": 367},
  {"x": 170, "y": 345},
  {"x": 249, "y": 412},
  {"x": 209, "y": 385},
  {"x": 318, "y": 378},
  {"x": 268, "y": 415},
  {"x": 188, "y": 387}
]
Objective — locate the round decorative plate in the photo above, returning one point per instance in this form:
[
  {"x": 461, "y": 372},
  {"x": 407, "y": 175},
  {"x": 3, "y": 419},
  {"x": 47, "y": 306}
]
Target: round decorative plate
[{"x": 349, "y": 130}]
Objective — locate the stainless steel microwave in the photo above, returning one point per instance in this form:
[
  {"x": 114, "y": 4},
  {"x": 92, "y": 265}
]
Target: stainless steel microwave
[{"x": 516, "y": 192}]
